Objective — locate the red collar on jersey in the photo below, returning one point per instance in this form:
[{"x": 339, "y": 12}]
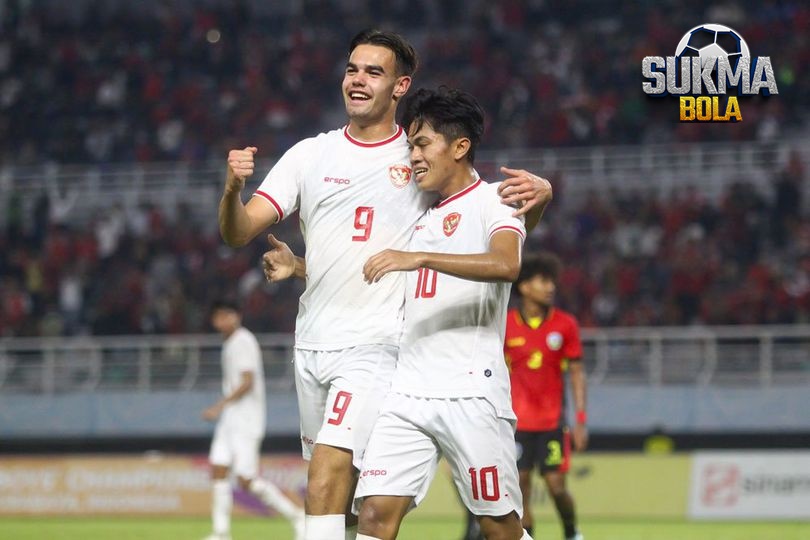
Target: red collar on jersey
[
  {"x": 372, "y": 144},
  {"x": 461, "y": 193}
]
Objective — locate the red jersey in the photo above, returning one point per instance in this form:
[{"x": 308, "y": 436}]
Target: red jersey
[{"x": 537, "y": 361}]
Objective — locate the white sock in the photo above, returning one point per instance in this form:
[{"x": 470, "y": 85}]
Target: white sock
[
  {"x": 351, "y": 533},
  {"x": 364, "y": 537},
  {"x": 273, "y": 497},
  {"x": 525, "y": 536},
  {"x": 221, "y": 503},
  {"x": 329, "y": 527}
]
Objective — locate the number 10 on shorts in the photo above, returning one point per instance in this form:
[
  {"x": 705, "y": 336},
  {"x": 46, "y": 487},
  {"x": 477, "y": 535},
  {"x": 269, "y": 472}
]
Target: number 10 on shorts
[{"x": 487, "y": 479}]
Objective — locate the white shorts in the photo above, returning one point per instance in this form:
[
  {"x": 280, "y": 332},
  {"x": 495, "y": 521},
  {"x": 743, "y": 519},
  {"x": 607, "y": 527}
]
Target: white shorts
[
  {"x": 233, "y": 447},
  {"x": 340, "y": 393},
  {"x": 412, "y": 433}
]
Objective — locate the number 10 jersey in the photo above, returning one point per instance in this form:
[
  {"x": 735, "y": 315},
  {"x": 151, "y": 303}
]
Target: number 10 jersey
[{"x": 452, "y": 345}]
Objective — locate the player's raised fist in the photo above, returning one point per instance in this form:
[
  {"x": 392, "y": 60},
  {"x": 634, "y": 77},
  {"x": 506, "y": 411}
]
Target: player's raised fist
[{"x": 240, "y": 166}]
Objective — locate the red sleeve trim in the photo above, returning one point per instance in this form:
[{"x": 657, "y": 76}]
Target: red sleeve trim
[
  {"x": 509, "y": 227},
  {"x": 272, "y": 201}
]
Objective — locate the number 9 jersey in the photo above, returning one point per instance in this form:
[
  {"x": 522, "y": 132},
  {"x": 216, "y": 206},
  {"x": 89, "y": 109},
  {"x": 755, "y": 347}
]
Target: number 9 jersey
[{"x": 355, "y": 199}]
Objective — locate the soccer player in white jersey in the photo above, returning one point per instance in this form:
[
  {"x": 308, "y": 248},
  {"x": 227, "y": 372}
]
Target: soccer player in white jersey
[
  {"x": 353, "y": 190},
  {"x": 450, "y": 391},
  {"x": 240, "y": 426}
]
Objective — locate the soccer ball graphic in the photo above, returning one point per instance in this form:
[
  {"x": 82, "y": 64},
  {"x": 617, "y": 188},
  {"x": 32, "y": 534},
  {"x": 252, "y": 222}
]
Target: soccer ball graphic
[{"x": 709, "y": 41}]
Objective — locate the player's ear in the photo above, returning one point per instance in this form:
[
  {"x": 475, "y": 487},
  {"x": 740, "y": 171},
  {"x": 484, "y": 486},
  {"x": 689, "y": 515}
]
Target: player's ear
[
  {"x": 461, "y": 147},
  {"x": 402, "y": 86}
]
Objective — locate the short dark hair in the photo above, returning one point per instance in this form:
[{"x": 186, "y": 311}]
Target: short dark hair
[
  {"x": 453, "y": 113},
  {"x": 224, "y": 303},
  {"x": 543, "y": 264},
  {"x": 404, "y": 52}
]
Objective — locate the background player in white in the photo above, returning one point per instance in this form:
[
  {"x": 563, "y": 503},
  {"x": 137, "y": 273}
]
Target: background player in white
[
  {"x": 240, "y": 428},
  {"x": 353, "y": 189},
  {"x": 450, "y": 391}
]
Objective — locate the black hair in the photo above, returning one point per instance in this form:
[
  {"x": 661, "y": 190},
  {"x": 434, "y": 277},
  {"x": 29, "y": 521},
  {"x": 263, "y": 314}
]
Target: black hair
[
  {"x": 406, "y": 60},
  {"x": 224, "y": 303},
  {"x": 453, "y": 113},
  {"x": 543, "y": 264}
]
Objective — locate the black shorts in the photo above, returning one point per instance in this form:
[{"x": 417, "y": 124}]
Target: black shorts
[{"x": 546, "y": 450}]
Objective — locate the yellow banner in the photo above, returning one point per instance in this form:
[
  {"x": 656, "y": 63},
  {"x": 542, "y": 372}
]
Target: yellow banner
[
  {"x": 130, "y": 485},
  {"x": 631, "y": 485},
  {"x": 615, "y": 485},
  {"x": 603, "y": 485}
]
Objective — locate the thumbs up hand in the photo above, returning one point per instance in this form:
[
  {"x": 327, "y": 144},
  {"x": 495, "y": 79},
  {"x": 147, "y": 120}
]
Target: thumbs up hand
[{"x": 279, "y": 262}]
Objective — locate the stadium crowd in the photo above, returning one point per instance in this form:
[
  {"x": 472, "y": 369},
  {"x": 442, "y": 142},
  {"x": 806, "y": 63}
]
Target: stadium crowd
[
  {"x": 630, "y": 260},
  {"x": 82, "y": 82},
  {"x": 127, "y": 272},
  {"x": 88, "y": 82}
]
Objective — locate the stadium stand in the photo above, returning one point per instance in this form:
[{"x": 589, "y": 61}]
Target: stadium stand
[
  {"x": 633, "y": 258},
  {"x": 115, "y": 118},
  {"x": 139, "y": 82}
]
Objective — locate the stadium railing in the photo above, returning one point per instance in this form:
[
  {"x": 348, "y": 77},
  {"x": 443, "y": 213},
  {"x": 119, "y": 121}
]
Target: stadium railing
[
  {"x": 654, "y": 169},
  {"x": 746, "y": 356}
]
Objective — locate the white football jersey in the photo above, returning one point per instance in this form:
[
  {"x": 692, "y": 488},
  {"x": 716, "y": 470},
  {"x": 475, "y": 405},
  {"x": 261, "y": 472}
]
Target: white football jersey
[
  {"x": 452, "y": 344},
  {"x": 241, "y": 352},
  {"x": 355, "y": 200}
]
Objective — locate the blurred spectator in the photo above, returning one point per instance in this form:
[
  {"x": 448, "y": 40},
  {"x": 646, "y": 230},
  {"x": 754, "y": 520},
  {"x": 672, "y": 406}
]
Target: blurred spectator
[
  {"x": 119, "y": 81},
  {"x": 630, "y": 260}
]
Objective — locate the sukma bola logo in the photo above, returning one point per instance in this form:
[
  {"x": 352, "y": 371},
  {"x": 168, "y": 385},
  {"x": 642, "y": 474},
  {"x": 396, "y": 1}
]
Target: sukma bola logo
[{"x": 710, "y": 59}]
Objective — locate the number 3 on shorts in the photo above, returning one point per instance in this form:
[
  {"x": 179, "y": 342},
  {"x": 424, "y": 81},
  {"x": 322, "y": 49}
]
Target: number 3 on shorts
[
  {"x": 554, "y": 456},
  {"x": 342, "y": 400}
]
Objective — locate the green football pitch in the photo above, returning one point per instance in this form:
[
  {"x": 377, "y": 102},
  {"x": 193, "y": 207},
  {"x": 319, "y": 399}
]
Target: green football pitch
[{"x": 413, "y": 529}]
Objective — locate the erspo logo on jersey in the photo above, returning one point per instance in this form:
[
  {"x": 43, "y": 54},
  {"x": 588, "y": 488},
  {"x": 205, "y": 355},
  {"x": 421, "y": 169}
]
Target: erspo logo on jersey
[
  {"x": 399, "y": 175},
  {"x": 710, "y": 61},
  {"x": 451, "y": 222},
  {"x": 339, "y": 181}
]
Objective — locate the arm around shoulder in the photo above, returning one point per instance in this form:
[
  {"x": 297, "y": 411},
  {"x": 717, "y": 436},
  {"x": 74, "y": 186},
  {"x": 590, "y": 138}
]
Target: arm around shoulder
[
  {"x": 500, "y": 263},
  {"x": 531, "y": 192}
]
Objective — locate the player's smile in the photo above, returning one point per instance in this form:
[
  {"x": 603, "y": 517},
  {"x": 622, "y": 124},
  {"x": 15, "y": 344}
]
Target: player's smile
[
  {"x": 358, "y": 96},
  {"x": 431, "y": 158},
  {"x": 359, "y": 100},
  {"x": 370, "y": 73},
  {"x": 422, "y": 173}
]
